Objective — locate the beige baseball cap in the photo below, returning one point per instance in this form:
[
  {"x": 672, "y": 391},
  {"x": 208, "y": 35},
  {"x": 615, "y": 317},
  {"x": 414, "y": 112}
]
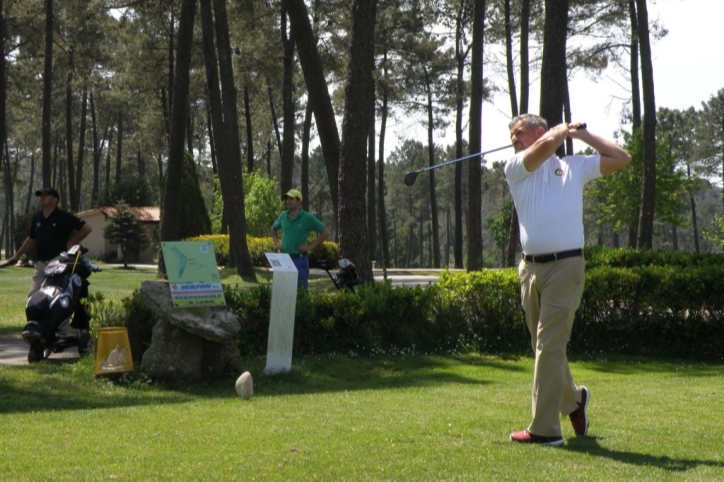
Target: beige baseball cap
[{"x": 292, "y": 193}]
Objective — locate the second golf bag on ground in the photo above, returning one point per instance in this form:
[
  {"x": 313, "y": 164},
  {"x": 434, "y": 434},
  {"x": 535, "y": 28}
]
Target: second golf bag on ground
[
  {"x": 56, "y": 317},
  {"x": 345, "y": 277}
]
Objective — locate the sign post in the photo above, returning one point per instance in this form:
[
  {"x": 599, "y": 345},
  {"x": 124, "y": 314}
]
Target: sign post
[
  {"x": 193, "y": 276},
  {"x": 281, "y": 316}
]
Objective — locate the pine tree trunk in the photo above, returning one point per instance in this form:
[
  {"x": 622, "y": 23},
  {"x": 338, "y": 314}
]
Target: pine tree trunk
[
  {"x": 553, "y": 69},
  {"x": 648, "y": 193},
  {"x": 460, "y": 57},
  {"x": 72, "y": 197},
  {"x": 81, "y": 146},
  {"x": 435, "y": 231},
  {"x": 171, "y": 207},
  {"x": 524, "y": 56},
  {"x": 384, "y": 237},
  {"x": 228, "y": 158},
  {"x": 287, "y": 148},
  {"x": 514, "y": 229},
  {"x": 47, "y": 92},
  {"x": 249, "y": 131},
  {"x": 119, "y": 143},
  {"x": 238, "y": 247},
  {"x": 95, "y": 192},
  {"x": 306, "y": 133},
  {"x": 634, "y": 68},
  {"x": 317, "y": 90},
  {"x": 371, "y": 191},
  {"x": 7, "y": 233},
  {"x": 358, "y": 97},
  {"x": 475, "y": 225}
]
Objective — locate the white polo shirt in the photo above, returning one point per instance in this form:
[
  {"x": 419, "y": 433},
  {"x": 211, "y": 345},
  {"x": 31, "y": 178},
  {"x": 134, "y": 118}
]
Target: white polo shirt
[{"x": 549, "y": 201}]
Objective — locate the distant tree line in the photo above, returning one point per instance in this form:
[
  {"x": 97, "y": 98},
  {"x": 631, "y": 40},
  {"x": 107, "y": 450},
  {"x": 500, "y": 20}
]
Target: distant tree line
[{"x": 110, "y": 100}]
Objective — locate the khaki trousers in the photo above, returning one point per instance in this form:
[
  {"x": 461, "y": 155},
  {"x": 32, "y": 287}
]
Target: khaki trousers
[
  {"x": 550, "y": 294},
  {"x": 38, "y": 276}
]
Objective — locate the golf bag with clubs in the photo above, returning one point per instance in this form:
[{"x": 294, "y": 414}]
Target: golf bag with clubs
[
  {"x": 56, "y": 317},
  {"x": 346, "y": 276}
]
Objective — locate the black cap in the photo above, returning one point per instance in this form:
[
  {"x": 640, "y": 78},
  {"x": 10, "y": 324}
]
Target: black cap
[{"x": 48, "y": 190}]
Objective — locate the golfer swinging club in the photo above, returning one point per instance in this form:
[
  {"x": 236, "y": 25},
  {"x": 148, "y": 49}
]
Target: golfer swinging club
[{"x": 548, "y": 195}]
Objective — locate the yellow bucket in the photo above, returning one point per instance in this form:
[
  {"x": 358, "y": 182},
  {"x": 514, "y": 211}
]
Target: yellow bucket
[{"x": 113, "y": 354}]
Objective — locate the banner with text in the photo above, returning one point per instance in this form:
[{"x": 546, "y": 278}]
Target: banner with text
[{"x": 193, "y": 275}]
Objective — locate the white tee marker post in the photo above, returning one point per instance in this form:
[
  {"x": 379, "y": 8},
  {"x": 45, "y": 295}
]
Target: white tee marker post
[{"x": 281, "y": 315}]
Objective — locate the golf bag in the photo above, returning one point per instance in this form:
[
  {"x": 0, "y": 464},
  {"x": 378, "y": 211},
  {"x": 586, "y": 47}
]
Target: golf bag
[
  {"x": 346, "y": 276},
  {"x": 56, "y": 317}
]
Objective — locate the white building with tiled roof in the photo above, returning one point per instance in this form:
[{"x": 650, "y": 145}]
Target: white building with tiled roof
[{"x": 100, "y": 248}]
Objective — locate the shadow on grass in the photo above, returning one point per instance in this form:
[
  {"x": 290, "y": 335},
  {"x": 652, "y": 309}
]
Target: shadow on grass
[
  {"x": 633, "y": 365},
  {"x": 68, "y": 384},
  {"x": 325, "y": 374},
  {"x": 590, "y": 446}
]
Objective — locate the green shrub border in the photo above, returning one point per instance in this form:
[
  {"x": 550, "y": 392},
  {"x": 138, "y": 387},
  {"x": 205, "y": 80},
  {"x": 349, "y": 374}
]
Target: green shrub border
[
  {"x": 258, "y": 246},
  {"x": 652, "y": 309}
]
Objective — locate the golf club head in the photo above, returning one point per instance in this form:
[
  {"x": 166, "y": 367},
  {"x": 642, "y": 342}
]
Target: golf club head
[
  {"x": 410, "y": 178},
  {"x": 5, "y": 264}
]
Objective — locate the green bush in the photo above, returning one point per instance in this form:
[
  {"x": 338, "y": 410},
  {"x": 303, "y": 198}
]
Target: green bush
[
  {"x": 251, "y": 307},
  {"x": 327, "y": 251},
  {"x": 655, "y": 310},
  {"x": 139, "y": 322},
  {"x": 490, "y": 302},
  {"x": 257, "y": 248},
  {"x": 262, "y": 203},
  {"x": 598, "y": 256},
  {"x": 220, "y": 242}
]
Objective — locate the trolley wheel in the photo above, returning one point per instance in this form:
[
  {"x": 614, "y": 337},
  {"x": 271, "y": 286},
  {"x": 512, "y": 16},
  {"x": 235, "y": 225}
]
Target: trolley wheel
[{"x": 35, "y": 353}]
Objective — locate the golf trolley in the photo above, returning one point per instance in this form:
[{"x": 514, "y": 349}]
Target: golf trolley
[
  {"x": 56, "y": 317},
  {"x": 346, "y": 276}
]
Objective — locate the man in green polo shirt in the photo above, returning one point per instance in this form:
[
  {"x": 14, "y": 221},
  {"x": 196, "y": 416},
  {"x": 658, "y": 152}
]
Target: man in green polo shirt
[{"x": 295, "y": 224}]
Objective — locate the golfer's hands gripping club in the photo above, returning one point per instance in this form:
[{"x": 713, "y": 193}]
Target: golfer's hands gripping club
[{"x": 576, "y": 130}]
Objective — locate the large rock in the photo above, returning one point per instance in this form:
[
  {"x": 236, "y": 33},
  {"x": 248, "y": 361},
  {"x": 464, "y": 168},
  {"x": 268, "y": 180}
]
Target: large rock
[
  {"x": 189, "y": 343},
  {"x": 213, "y": 324}
]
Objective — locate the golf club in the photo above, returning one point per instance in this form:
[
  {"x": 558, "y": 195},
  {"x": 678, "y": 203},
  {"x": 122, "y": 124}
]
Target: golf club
[
  {"x": 5, "y": 264},
  {"x": 411, "y": 176}
]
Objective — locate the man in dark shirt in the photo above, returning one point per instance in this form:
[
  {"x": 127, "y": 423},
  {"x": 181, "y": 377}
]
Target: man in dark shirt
[{"x": 50, "y": 234}]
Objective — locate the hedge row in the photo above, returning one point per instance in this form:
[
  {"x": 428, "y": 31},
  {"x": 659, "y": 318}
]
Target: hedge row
[
  {"x": 661, "y": 311},
  {"x": 599, "y": 256},
  {"x": 670, "y": 311},
  {"x": 656, "y": 310}
]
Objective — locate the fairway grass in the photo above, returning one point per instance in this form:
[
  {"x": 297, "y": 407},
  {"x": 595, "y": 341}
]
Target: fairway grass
[{"x": 411, "y": 418}]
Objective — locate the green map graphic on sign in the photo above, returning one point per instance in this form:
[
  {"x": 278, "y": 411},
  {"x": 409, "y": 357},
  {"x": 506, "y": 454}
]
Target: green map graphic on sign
[
  {"x": 193, "y": 276},
  {"x": 182, "y": 260}
]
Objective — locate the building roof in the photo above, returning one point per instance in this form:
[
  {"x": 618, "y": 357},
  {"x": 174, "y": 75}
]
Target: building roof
[{"x": 145, "y": 214}]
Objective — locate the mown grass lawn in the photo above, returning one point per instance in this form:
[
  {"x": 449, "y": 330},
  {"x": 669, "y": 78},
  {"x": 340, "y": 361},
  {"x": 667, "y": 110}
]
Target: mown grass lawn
[{"x": 399, "y": 417}]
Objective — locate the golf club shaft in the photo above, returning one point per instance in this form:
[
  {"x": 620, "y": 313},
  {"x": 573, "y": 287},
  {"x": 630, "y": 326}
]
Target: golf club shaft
[{"x": 479, "y": 154}]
